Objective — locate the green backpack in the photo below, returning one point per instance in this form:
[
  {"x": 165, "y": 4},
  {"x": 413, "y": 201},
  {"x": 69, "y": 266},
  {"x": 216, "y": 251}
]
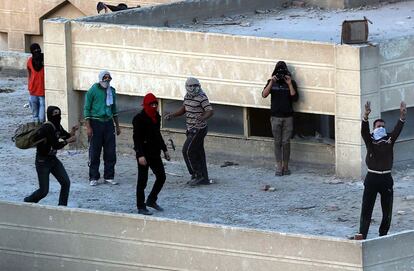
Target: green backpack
[{"x": 25, "y": 134}]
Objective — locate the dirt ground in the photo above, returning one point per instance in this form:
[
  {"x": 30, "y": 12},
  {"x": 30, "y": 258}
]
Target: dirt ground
[{"x": 310, "y": 201}]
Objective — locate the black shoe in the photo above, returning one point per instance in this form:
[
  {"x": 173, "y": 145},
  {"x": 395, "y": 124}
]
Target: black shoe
[
  {"x": 199, "y": 181},
  {"x": 155, "y": 206},
  {"x": 144, "y": 211}
]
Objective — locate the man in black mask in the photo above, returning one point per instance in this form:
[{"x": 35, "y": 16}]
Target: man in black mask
[{"x": 54, "y": 138}]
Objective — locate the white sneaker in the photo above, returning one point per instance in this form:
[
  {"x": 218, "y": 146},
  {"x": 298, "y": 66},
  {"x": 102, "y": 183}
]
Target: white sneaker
[
  {"x": 111, "y": 181},
  {"x": 93, "y": 182}
]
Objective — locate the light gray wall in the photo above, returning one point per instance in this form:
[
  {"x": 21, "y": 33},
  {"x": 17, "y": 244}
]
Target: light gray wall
[{"x": 35, "y": 237}]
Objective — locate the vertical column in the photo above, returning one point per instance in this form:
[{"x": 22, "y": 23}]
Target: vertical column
[
  {"x": 58, "y": 70},
  {"x": 356, "y": 82},
  {"x": 16, "y": 41}
]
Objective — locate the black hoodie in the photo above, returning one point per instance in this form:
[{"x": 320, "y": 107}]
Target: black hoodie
[{"x": 52, "y": 133}]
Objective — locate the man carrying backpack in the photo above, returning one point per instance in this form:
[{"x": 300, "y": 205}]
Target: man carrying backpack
[{"x": 55, "y": 138}]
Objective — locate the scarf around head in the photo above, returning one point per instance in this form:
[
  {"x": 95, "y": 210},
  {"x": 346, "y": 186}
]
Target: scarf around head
[
  {"x": 107, "y": 86},
  {"x": 37, "y": 57},
  {"x": 193, "y": 87},
  {"x": 148, "y": 109},
  {"x": 54, "y": 115}
]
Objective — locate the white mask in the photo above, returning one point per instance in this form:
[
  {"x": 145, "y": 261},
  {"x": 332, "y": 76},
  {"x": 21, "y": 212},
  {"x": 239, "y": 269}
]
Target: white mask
[
  {"x": 379, "y": 133},
  {"x": 104, "y": 84}
]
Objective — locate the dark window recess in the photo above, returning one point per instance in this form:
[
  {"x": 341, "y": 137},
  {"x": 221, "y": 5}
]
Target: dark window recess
[
  {"x": 391, "y": 118},
  {"x": 306, "y": 126},
  {"x": 226, "y": 119},
  {"x": 128, "y": 107}
]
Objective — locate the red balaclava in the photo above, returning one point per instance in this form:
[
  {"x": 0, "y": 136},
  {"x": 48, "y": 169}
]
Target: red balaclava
[{"x": 149, "y": 110}]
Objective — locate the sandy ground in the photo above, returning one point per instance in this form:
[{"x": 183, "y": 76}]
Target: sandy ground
[
  {"x": 311, "y": 201},
  {"x": 313, "y": 24}
]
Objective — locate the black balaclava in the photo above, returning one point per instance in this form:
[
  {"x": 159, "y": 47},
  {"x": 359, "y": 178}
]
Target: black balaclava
[
  {"x": 54, "y": 115},
  {"x": 37, "y": 59}
]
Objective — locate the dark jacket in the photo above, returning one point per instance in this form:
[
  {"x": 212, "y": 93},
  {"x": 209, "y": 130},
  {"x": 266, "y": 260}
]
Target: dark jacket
[
  {"x": 147, "y": 137},
  {"x": 281, "y": 100},
  {"x": 380, "y": 153},
  {"x": 52, "y": 142}
]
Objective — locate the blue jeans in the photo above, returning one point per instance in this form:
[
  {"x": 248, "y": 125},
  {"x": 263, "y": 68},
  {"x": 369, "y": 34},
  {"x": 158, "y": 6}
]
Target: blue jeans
[
  {"x": 103, "y": 136},
  {"x": 37, "y": 104}
]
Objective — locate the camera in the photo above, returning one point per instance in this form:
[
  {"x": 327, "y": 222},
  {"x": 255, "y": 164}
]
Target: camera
[{"x": 281, "y": 73}]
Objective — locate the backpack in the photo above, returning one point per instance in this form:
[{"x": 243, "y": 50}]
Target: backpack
[{"x": 25, "y": 134}]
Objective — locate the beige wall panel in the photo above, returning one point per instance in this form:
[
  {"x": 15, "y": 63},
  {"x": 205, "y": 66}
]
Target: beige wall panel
[
  {"x": 348, "y": 131},
  {"x": 348, "y": 82},
  {"x": 54, "y": 32},
  {"x": 59, "y": 99},
  {"x": 68, "y": 11},
  {"x": 159, "y": 244},
  {"x": 54, "y": 81},
  {"x": 347, "y": 57},
  {"x": 312, "y": 77},
  {"x": 391, "y": 98},
  {"x": 235, "y": 47},
  {"x": 16, "y": 41},
  {"x": 348, "y": 106},
  {"x": 54, "y": 55},
  {"x": 349, "y": 160}
]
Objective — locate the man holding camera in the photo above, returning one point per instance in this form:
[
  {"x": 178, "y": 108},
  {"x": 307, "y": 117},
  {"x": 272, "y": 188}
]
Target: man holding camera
[{"x": 283, "y": 91}]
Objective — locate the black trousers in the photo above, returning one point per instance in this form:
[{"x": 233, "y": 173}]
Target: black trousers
[
  {"x": 157, "y": 168},
  {"x": 103, "y": 136},
  {"x": 194, "y": 153},
  {"x": 44, "y": 166},
  {"x": 374, "y": 184}
]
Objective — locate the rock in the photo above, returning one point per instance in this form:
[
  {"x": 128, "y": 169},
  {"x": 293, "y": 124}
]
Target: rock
[
  {"x": 334, "y": 181},
  {"x": 332, "y": 208},
  {"x": 401, "y": 212},
  {"x": 410, "y": 197},
  {"x": 297, "y": 3},
  {"x": 340, "y": 219},
  {"x": 245, "y": 24},
  {"x": 265, "y": 187},
  {"x": 260, "y": 11},
  {"x": 408, "y": 17}
]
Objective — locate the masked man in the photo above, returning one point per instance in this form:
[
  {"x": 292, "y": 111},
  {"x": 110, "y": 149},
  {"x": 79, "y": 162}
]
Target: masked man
[
  {"x": 148, "y": 144},
  {"x": 46, "y": 161},
  {"x": 100, "y": 114},
  {"x": 197, "y": 110},
  {"x": 379, "y": 160}
]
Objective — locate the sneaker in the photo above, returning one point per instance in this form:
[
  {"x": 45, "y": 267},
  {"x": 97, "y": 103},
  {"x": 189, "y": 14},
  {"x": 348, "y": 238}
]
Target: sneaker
[
  {"x": 155, "y": 206},
  {"x": 93, "y": 182},
  {"x": 199, "y": 181},
  {"x": 144, "y": 211},
  {"x": 111, "y": 181},
  {"x": 279, "y": 173}
]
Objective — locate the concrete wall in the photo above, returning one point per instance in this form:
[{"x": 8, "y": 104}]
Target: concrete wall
[
  {"x": 21, "y": 18},
  {"x": 35, "y": 237},
  {"x": 393, "y": 252}
]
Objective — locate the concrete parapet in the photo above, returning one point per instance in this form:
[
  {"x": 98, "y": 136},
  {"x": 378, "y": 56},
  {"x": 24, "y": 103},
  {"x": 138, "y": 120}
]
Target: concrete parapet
[
  {"x": 51, "y": 238},
  {"x": 13, "y": 64}
]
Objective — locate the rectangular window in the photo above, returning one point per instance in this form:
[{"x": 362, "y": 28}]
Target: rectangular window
[
  {"x": 306, "y": 126},
  {"x": 226, "y": 119},
  {"x": 391, "y": 118},
  {"x": 4, "y": 42},
  {"x": 128, "y": 106}
]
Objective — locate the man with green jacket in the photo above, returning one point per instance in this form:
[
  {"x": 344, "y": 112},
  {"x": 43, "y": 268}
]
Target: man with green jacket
[{"x": 100, "y": 115}]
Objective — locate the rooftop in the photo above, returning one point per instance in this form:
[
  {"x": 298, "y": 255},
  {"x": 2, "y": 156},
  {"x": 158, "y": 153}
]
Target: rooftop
[{"x": 312, "y": 24}]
